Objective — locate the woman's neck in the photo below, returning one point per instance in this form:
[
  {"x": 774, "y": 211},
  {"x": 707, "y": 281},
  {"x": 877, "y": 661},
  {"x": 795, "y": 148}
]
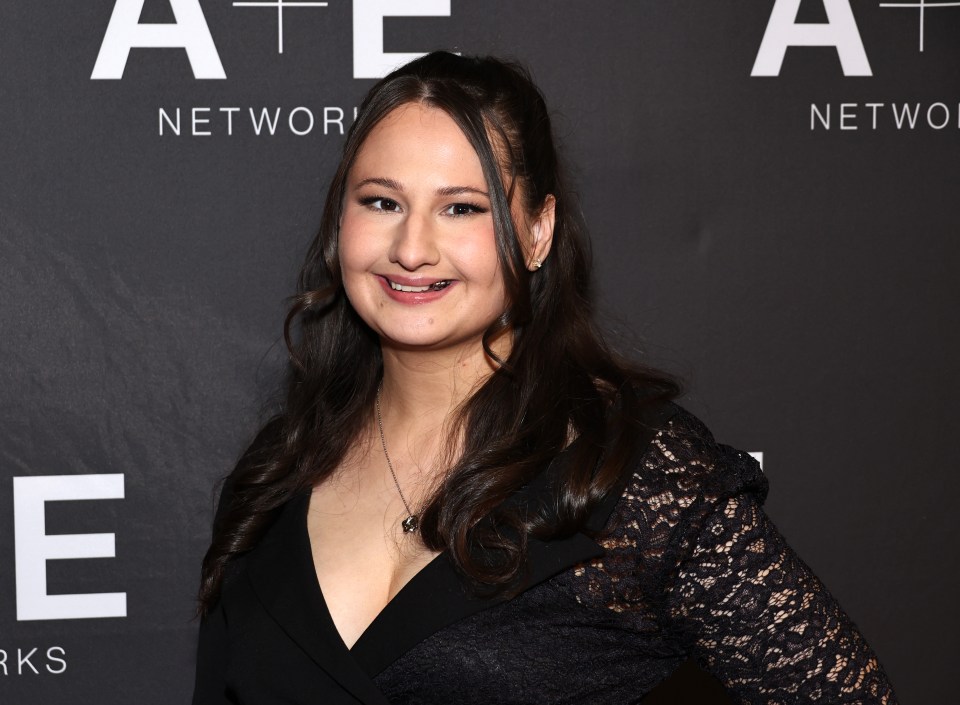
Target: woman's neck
[
  {"x": 426, "y": 387},
  {"x": 421, "y": 392}
]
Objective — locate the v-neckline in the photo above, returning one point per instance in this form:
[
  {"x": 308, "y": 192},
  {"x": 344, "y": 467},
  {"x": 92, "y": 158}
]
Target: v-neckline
[
  {"x": 317, "y": 588},
  {"x": 435, "y": 596},
  {"x": 283, "y": 575}
]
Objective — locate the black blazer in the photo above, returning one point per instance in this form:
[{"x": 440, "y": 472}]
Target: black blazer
[{"x": 271, "y": 638}]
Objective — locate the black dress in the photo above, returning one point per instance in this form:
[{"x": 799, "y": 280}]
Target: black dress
[{"x": 683, "y": 562}]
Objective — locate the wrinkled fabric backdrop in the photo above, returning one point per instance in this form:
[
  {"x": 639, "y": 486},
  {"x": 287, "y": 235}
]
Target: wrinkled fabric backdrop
[{"x": 771, "y": 188}]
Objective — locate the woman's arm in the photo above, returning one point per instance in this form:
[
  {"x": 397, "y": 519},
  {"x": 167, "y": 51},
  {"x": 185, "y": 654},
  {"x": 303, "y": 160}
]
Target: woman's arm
[{"x": 757, "y": 617}]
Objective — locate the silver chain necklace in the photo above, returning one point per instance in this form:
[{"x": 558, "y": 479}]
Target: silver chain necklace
[{"x": 411, "y": 523}]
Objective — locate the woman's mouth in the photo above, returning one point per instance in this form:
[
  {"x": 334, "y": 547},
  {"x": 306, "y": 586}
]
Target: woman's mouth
[
  {"x": 416, "y": 290},
  {"x": 436, "y": 286}
]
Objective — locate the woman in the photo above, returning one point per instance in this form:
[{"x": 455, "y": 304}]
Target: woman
[{"x": 467, "y": 497}]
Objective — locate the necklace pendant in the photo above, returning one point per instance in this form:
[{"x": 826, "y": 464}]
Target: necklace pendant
[{"x": 410, "y": 524}]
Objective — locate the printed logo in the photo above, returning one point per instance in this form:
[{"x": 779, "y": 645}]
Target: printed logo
[
  {"x": 190, "y": 32},
  {"x": 840, "y": 31}
]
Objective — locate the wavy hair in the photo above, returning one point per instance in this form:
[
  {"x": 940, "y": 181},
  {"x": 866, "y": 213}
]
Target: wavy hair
[{"x": 560, "y": 381}]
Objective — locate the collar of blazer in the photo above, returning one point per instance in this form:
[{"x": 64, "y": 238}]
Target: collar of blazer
[{"x": 283, "y": 576}]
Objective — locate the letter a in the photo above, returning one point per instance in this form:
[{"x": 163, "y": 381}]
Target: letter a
[
  {"x": 839, "y": 31},
  {"x": 190, "y": 32}
]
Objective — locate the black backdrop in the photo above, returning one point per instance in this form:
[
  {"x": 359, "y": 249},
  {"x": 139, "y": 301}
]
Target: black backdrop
[{"x": 787, "y": 242}]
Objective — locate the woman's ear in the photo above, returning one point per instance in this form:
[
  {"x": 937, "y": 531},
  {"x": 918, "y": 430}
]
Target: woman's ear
[{"x": 540, "y": 234}]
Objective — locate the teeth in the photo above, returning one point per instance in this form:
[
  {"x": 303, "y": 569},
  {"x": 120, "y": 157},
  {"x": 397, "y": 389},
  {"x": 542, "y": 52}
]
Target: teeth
[{"x": 437, "y": 286}]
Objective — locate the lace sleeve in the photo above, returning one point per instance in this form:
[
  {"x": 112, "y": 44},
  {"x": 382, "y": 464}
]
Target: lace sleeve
[{"x": 754, "y": 614}]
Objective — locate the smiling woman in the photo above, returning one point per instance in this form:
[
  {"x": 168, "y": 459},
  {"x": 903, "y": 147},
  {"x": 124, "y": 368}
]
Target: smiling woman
[
  {"x": 417, "y": 229},
  {"x": 468, "y": 498}
]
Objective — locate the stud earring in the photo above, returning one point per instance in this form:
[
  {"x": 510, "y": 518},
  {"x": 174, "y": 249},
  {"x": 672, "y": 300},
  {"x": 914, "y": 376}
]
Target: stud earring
[{"x": 537, "y": 263}]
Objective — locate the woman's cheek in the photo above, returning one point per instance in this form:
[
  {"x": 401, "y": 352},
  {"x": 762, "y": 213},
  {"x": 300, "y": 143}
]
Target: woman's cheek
[{"x": 356, "y": 250}]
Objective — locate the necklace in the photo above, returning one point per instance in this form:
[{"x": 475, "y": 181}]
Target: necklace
[{"x": 411, "y": 523}]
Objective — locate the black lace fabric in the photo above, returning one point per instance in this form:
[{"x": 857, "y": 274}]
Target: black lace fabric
[{"x": 692, "y": 566}]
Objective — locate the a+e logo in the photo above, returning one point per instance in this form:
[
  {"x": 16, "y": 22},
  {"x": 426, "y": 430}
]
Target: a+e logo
[
  {"x": 839, "y": 31},
  {"x": 189, "y": 31}
]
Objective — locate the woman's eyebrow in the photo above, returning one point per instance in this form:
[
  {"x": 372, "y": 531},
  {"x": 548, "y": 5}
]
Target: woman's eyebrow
[
  {"x": 380, "y": 181},
  {"x": 445, "y": 191},
  {"x": 459, "y": 190}
]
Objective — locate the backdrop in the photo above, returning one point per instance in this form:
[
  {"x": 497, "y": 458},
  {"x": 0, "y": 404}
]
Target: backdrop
[{"x": 771, "y": 187}]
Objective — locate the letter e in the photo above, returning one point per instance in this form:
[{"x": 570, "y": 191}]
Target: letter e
[
  {"x": 369, "y": 58},
  {"x": 34, "y": 547}
]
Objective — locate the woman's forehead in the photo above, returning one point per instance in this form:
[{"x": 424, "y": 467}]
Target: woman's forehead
[{"x": 417, "y": 140}]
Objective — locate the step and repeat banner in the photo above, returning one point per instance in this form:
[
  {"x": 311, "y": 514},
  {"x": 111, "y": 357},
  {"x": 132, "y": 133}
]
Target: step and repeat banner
[{"x": 771, "y": 188}]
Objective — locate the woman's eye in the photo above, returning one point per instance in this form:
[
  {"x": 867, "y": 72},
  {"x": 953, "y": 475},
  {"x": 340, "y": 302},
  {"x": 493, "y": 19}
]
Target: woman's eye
[
  {"x": 379, "y": 203},
  {"x": 458, "y": 209}
]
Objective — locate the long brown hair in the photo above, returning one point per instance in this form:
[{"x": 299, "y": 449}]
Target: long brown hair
[{"x": 559, "y": 381}]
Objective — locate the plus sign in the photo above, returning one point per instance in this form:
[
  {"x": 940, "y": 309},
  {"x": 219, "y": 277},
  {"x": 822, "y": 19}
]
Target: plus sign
[
  {"x": 922, "y": 6},
  {"x": 280, "y": 5}
]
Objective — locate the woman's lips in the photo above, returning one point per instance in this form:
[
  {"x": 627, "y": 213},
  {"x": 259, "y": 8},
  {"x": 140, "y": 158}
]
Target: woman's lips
[
  {"x": 436, "y": 286},
  {"x": 415, "y": 290}
]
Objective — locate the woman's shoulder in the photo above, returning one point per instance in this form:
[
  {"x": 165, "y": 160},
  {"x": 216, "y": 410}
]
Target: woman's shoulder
[
  {"x": 685, "y": 458},
  {"x": 683, "y": 470},
  {"x": 680, "y": 482}
]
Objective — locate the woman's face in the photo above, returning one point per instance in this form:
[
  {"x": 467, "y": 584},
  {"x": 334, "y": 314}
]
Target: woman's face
[{"x": 417, "y": 248}]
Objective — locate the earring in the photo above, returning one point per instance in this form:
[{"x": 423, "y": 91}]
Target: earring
[{"x": 537, "y": 263}]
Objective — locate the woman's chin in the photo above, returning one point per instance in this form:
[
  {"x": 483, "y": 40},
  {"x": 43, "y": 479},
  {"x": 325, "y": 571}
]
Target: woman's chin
[
  {"x": 430, "y": 340},
  {"x": 424, "y": 343}
]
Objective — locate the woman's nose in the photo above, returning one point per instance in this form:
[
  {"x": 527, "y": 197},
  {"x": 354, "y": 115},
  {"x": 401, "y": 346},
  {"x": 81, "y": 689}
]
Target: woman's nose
[{"x": 414, "y": 243}]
